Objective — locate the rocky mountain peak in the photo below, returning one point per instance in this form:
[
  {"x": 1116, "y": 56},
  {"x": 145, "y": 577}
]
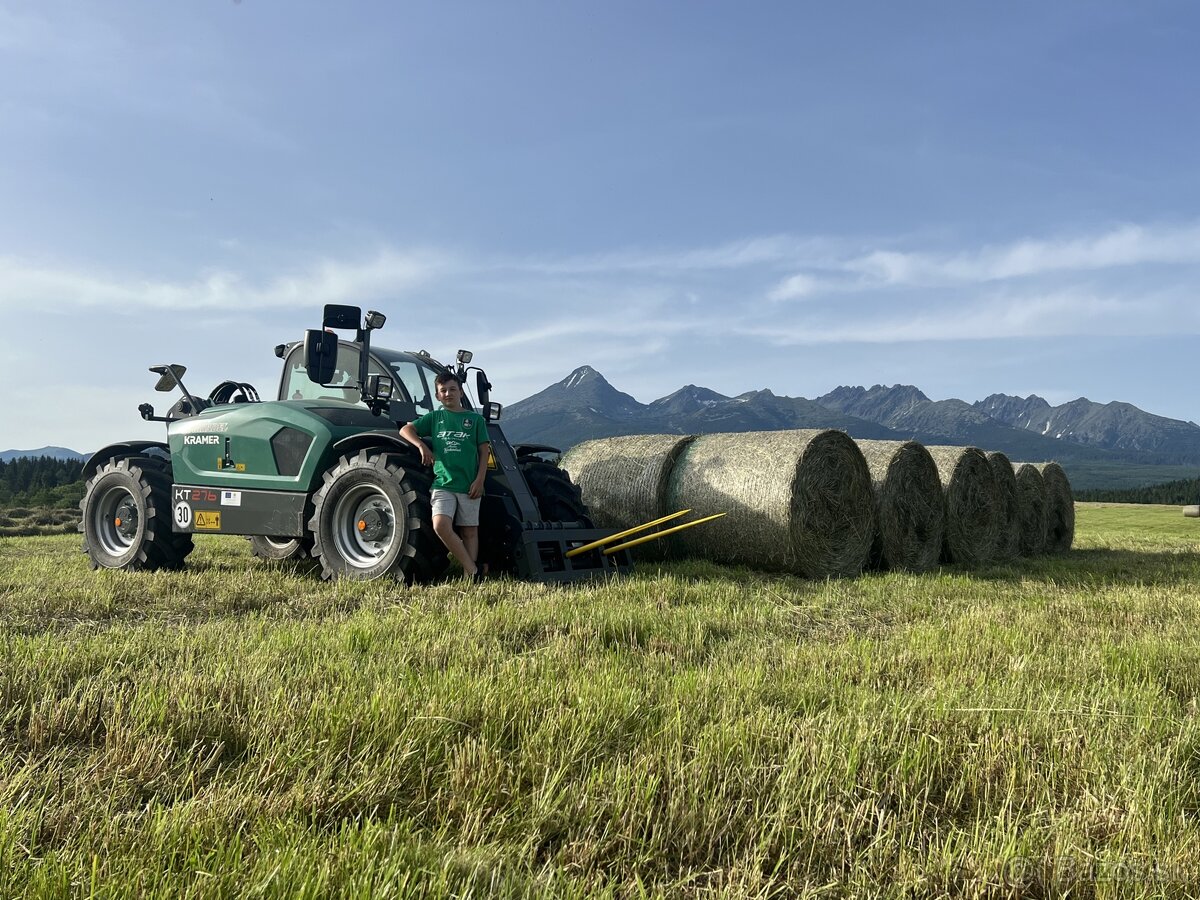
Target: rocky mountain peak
[{"x": 581, "y": 375}]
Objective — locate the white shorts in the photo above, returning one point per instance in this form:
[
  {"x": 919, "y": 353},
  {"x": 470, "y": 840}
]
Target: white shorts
[{"x": 461, "y": 509}]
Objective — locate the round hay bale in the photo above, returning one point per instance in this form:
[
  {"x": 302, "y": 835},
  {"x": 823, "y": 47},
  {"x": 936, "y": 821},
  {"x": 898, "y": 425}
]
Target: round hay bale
[
  {"x": 1008, "y": 544},
  {"x": 1031, "y": 494},
  {"x": 624, "y": 481},
  {"x": 910, "y": 511},
  {"x": 795, "y": 501},
  {"x": 1060, "y": 508},
  {"x": 1192, "y": 512},
  {"x": 972, "y": 504}
]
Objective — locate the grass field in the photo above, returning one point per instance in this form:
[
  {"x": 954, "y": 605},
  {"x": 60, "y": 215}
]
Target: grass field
[{"x": 234, "y": 730}]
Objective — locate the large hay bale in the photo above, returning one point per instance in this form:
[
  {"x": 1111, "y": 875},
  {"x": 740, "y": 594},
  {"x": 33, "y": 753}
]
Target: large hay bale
[
  {"x": 624, "y": 481},
  {"x": 910, "y": 511},
  {"x": 1008, "y": 544},
  {"x": 1060, "y": 508},
  {"x": 972, "y": 504},
  {"x": 1031, "y": 494},
  {"x": 795, "y": 501}
]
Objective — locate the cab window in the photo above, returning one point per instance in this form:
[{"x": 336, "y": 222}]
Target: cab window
[
  {"x": 343, "y": 386},
  {"x": 418, "y": 384}
]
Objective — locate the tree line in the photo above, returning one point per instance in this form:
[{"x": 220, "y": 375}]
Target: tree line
[
  {"x": 1184, "y": 492},
  {"x": 58, "y": 484},
  {"x": 41, "y": 481}
]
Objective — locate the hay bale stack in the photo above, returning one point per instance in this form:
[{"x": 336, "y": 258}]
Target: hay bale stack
[
  {"x": 624, "y": 480},
  {"x": 1060, "y": 508},
  {"x": 972, "y": 504},
  {"x": 910, "y": 511},
  {"x": 1008, "y": 544},
  {"x": 1031, "y": 494},
  {"x": 796, "y": 501}
]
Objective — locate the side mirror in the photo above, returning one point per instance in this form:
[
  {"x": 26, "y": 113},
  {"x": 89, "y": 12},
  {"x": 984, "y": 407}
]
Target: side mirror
[
  {"x": 482, "y": 388},
  {"x": 168, "y": 376},
  {"x": 320, "y": 355},
  {"x": 343, "y": 317},
  {"x": 491, "y": 411}
]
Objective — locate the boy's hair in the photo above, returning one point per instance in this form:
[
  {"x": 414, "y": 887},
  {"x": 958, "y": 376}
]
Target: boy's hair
[{"x": 446, "y": 378}]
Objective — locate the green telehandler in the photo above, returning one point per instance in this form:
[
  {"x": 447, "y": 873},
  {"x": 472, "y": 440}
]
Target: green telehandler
[{"x": 322, "y": 473}]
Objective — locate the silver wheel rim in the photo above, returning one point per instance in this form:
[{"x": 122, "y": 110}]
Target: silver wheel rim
[
  {"x": 349, "y": 510},
  {"x": 104, "y": 510}
]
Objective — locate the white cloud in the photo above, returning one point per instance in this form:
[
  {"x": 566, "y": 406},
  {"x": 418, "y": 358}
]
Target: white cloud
[
  {"x": 1128, "y": 245},
  {"x": 1034, "y": 315},
  {"x": 380, "y": 277},
  {"x": 794, "y": 287}
]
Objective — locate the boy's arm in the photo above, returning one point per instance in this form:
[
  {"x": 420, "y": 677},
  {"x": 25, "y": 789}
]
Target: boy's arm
[
  {"x": 409, "y": 433},
  {"x": 476, "y": 491}
]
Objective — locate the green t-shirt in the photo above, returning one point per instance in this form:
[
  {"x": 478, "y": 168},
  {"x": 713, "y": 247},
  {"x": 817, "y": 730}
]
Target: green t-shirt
[{"x": 456, "y": 438}]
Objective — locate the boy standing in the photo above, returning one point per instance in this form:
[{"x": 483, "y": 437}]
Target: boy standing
[{"x": 459, "y": 458}]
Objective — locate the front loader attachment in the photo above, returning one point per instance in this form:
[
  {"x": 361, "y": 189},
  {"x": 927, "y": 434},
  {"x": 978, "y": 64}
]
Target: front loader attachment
[{"x": 544, "y": 553}]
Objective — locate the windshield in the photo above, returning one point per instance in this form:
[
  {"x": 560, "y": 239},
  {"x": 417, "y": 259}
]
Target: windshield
[{"x": 413, "y": 376}]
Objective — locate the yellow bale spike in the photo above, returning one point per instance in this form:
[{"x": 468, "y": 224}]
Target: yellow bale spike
[
  {"x": 628, "y": 531},
  {"x": 654, "y": 537}
]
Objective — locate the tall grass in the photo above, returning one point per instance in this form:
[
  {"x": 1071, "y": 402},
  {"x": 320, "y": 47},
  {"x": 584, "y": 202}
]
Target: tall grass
[{"x": 1023, "y": 730}]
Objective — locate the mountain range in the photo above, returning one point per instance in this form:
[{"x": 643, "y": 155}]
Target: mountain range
[
  {"x": 1098, "y": 440},
  {"x": 1102, "y": 444},
  {"x": 55, "y": 452}
]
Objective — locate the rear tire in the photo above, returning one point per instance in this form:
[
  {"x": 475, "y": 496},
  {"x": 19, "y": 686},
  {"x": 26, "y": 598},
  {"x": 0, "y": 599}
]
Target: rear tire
[
  {"x": 371, "y": 518},
  {"x": 126, "y": 517},
  {"x": 281, "y": 549}
]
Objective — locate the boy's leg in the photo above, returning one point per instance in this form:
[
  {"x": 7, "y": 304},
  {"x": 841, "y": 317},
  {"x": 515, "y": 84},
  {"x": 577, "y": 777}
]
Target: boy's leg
[
  {"x": 443, "y": 526},
  {"x": 444, "y": 505},
  {"x": 468, "y": 523},
  {"x": 470, "y": 539}
]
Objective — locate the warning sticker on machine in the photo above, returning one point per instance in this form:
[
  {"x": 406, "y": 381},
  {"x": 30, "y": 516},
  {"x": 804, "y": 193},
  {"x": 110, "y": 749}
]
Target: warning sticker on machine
[
  {"x": 208, "y": 519},
  {"x": 231, "y": 498}
]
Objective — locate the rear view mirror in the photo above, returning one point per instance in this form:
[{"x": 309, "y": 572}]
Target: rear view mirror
[
  {"x": 483, "y": 388},
  {"x": 343, "y": 317},
  {"x": 320, "y": 355},
  {"x": 168, "y": 376}
]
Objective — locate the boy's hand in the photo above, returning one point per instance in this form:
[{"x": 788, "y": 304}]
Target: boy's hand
[
  {"x": 426, "y": 454},
  {"x": 476, "y": 490}
]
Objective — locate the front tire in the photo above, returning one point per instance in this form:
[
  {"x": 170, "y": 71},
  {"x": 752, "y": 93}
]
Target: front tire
[
  {"x": 126, "y": 517},
  {"x": 558, "y": 499},
  {"x": 371, "y": 518}
]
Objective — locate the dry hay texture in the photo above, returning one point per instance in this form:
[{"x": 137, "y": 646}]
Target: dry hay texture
[
  {"x": 796, "y": 501},
  {"x": 910, "y": 512},
  {"x": 1031, "y": 493},
  {"x": 624, "y": 481},
  {"x": 1008, "y": 545},
  {"x": 972, "y": 504},
  {"x": 1060, "y": 508}
]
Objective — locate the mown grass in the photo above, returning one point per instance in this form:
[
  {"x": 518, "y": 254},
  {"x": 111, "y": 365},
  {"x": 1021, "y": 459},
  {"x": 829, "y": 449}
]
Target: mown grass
[
  {"x": 235, "y": 730},
  {"x": 23, "y": 521}
]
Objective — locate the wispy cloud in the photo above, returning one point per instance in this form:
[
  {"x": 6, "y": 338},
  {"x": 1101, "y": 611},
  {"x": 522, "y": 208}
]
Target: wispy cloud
[
  {"x": 996, "y": 316},
  {"x": 381, "y": 276},
  {"x": 1128, "y": 245}
]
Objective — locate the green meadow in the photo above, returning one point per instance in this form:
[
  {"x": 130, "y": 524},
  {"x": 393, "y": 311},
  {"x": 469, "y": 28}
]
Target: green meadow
[{"x": 236, "y": 730}]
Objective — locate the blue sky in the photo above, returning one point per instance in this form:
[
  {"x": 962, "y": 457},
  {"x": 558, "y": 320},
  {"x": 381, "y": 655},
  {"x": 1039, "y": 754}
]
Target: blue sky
[{"x": 969, "y": 197}]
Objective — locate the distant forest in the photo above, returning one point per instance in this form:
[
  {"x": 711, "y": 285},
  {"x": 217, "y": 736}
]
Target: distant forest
[
  {"x": 41, "y": 481},
  {"x": 57, "y": 484},
  {"x": 1172, "y": 493}
]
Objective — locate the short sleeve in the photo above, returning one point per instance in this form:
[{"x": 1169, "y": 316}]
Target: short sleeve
[{"x": 424, "y": 425}]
